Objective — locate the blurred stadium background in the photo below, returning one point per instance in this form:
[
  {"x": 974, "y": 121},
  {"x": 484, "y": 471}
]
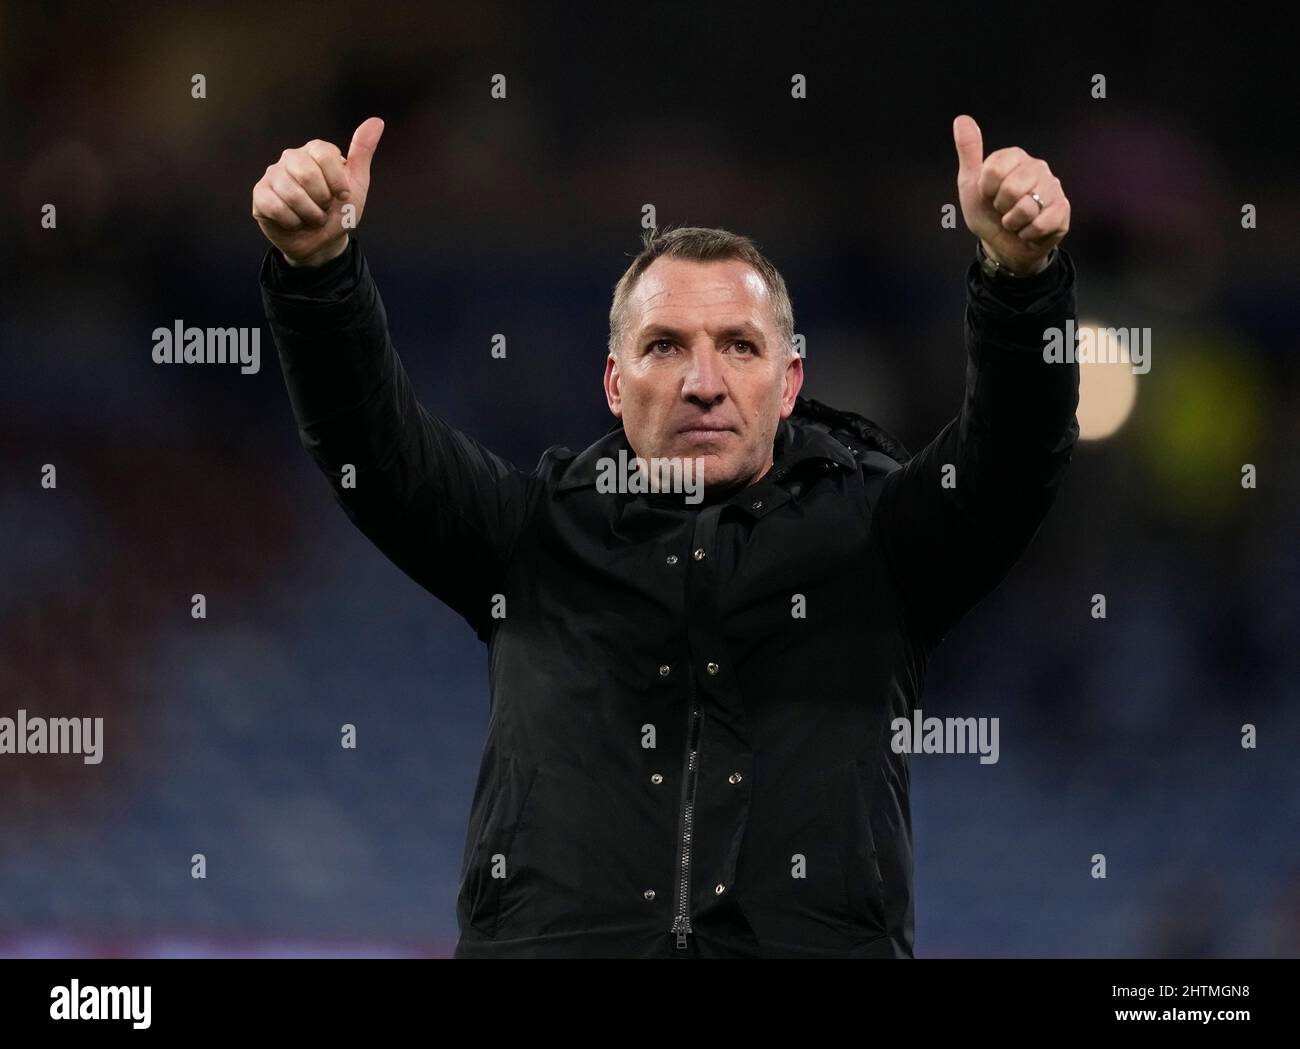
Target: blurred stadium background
[{"x": 1119, "y": 736}]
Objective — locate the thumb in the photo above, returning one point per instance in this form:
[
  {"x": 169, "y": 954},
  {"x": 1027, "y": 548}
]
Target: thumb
[
  {"x": 364, "y": 140},
  {"x": 970, "y": 146}
]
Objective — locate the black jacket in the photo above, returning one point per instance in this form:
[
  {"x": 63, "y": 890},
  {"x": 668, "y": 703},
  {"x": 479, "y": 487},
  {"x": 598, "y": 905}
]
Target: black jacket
[{"x": 678, "y": 762}]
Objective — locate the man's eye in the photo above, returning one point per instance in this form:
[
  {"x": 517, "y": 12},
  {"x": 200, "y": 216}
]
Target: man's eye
[
  {"x": 654, "y": 346},
  {"x": 743, "y": 346}
]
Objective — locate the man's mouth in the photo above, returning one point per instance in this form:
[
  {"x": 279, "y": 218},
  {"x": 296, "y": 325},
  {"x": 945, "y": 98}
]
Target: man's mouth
[{"x": 707, "y": 437}]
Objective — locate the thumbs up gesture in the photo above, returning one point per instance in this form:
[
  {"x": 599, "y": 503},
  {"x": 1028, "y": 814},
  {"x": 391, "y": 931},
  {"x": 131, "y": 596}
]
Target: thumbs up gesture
[
  {"x": 1010, "y": 200},
  {"x": 299, "y": 202}
]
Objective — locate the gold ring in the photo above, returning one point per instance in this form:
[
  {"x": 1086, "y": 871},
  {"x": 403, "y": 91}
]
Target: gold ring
[{"x": 1039, "y": 201}]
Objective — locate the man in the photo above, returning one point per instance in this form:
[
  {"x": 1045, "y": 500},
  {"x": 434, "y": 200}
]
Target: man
[{"x": 692, "y": 688}]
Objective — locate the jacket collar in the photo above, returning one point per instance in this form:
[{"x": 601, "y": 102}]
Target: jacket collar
[{"x": 796, "y": 444}]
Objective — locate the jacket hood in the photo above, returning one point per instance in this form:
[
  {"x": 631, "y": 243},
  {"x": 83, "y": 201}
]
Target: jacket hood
[
  {"x": 813, "y": 431},
  {"x": 850, "y": 428}
]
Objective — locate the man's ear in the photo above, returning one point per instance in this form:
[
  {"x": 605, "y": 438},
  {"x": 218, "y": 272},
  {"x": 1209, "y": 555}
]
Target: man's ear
[
  {"x": 612, "y": 394},
  {"x": 793, "y": 384}
]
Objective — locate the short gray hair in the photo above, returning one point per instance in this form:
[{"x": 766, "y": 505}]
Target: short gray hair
[{"x": 698, "y": 244}]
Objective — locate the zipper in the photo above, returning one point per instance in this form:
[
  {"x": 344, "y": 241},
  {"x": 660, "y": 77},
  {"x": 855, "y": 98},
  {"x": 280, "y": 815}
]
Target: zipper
[{"x": 682, "y": 923}]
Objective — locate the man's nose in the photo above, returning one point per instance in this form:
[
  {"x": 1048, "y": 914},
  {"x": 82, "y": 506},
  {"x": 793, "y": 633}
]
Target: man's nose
[{"x": 704, "y": 378}]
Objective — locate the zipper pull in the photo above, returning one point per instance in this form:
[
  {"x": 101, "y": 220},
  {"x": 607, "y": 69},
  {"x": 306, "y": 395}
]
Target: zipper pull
[{"x": 680, "y": 928}]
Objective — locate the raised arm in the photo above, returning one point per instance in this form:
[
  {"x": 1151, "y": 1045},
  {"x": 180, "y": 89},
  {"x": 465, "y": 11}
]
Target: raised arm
[
  {"x": 438, "y": 504},
  {"x": 958, "y": 515}
]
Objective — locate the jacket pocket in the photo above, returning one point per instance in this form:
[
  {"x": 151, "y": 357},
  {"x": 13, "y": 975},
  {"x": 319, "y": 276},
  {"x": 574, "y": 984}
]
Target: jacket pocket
[
  {"x": 494, "y": 866},
  {"x": 848, "y": 798}
]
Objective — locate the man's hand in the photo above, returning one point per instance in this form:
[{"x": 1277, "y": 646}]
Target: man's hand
[
  {"x": 299, "y": 202},
  {"x": 996, "y": 201}
]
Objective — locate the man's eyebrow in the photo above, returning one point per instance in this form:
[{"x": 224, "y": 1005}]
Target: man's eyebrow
[{"x": 746, "y": 330}]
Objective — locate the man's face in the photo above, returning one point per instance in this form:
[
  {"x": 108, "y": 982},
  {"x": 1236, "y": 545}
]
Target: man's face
[{"x": 703, "y": 372}]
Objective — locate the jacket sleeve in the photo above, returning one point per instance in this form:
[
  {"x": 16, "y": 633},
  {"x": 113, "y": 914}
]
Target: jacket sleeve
[
  {"x": 438, "y": 504},
  {"x": 955, "y": 518}
]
